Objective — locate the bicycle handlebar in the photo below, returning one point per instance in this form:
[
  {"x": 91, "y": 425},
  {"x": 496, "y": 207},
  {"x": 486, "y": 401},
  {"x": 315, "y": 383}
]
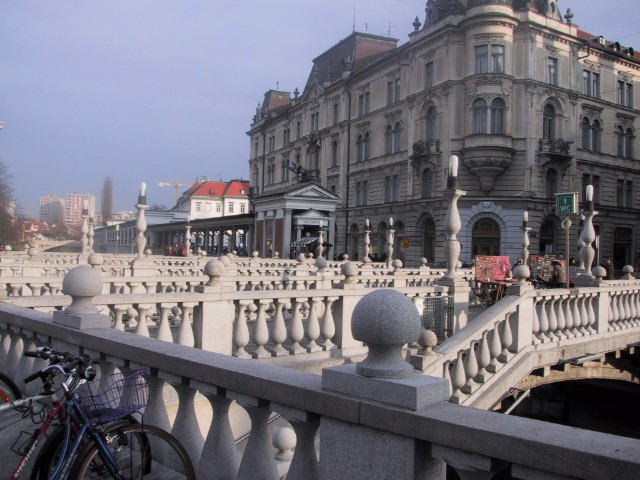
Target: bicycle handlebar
[{"x": 73, "y": 366}]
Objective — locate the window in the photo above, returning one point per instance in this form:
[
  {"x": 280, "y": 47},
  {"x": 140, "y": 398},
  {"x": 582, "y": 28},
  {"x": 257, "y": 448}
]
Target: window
[
  {"x": 396, "y": 138},
  {"x": 549, "y": 122},
  {"x": 363, "y": 103},
  {"x": 334, "y": 153},
  {"x": 482, "y": 59},
  {"x": 218, "y": 207},
  {"x": 286, "y": 137},
  {"x": 387, "y": 139},
  {"x": 426, "y": 183},
  {"x": 231, "y": 206},
  {"x": 336, "y": 110},
  {"x": 298, "y": 129},
  {"x": 243, "y": 208},
  {"x": 625, "y": 141},
  {"x": 198, "y": 206},
  {"x": 362, "y": 193},
  {"x": 432, "y": 117},
  {"x": 594, "y": 180},
  {"x": 362, "y": 147},
  {"x": 256, "y": 149},
  {"x": 551, "y": 183},
  {"x": 591, "y": 83},
  {"x": 497, "y": 58},
  {"x": 624, "y": 193},
  {"x": 284, "y": 170},
  {"x": 625, "y": 94},
  {"x": 272, "y": 142},
  {"x": 596, "y": 135},
  {"x": 428, "y": 75},
  {"x": 552, "y": 66},
  {"x": 586, "y": 133},
  {"x": 497, "y": 116},
  {"x": 479, "y": 116},
  {"x": 392, "y": 188},
  {"x": 314, "y": 121},
  {"x": 393, "y": 91}
]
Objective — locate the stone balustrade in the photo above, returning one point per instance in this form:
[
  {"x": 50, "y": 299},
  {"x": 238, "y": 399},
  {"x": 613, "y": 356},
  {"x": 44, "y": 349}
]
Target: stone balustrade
[{"x": 401, "y": 428}]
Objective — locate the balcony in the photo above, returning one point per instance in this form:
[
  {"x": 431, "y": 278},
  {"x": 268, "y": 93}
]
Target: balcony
[
  {"x": 425, "y": 152},
  {"x": 556, "y": 152},
  {"x": 487, "y": 157}
]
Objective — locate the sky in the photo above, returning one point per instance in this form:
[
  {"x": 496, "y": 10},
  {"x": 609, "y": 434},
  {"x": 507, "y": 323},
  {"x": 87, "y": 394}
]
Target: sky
[{"x": 165, "y": 90}]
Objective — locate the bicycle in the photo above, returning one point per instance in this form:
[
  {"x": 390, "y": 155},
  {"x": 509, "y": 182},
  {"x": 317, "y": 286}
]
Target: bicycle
[
  {"x": 8, "y": 390},
  {"x": 88, "y": 449}
]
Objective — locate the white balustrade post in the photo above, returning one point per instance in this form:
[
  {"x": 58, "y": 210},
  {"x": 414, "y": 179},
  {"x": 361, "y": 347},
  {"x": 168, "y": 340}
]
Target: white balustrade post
[
  {"x": 82, "y": 283},
  {"x": 141, "y": 222},
  {"x": 390, "y": 241},
  {"x": 452, "y": 223},
  {"x": 304, "y": 464},
  {"x": 525, "y": 238},
  {"x": 84, "y": 229},
  {"x": 367, "y": 242},
  {"x": 187, "y": 236},
  {"x": 90, "y": 236},
  {"x": 185, "y": 427},
  {"x": 588, "y": 236},
  {"x": 385, "y": 320}
]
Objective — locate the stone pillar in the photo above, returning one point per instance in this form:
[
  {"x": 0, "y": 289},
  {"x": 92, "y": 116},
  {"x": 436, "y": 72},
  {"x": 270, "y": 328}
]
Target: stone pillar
[
  {"x": 187, "y": 236},
  {"x": 141, "y": 223},
  {"x": 385, "y": 320},
  {"x": 286, "y": 233}
]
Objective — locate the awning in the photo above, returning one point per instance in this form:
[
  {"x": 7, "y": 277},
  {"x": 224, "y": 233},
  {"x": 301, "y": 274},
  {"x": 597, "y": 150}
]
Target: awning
[{"x": 303, "y": 241}]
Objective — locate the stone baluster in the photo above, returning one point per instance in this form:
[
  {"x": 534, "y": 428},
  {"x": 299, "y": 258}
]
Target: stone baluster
[
  {"x": 627, "y": 309},
  {"x": 561, "y": 318},
  {"x": 635, "y": 303},
  {"x": 296, "y": 328},
  {"x": 553, "y": 319},
  {"x": 615, "y": 314},
  {"x": 452, "y": 223},
  {"x": 470, "y": 369},
  {"x": 241, "y": 333},
  {"x": 220, "y": 459},
  {"x": 164, "y": 328},
  {"x": 495, "y": 349},
  {"x": 313, "y": 326},
  {"x": 84, "y": 230},
  {"x": 156, "y": 409},
  {"x": 90, "y": 237},
  {"x": 390, "y": 241},
  {"x": 185, "y": 427},
  {"x": 119, "y": 312},
  {"x": 5, "y": 345},
  {"x": 544, "y": 320},
  {"x": 633, "y": 313},
  {"x": 25, "y": 365},
  {"x": 304, "y": 464},
  {"x": 367, "y": 242},
  {"x": 611, "y": 318},
  {"x": 579, "y": 322},
  {"x": 588, "y": 235},
  {"x": 279, "y": 333},
  {"x": 484, "y": 358},
  {"x": 506, "y": 339},
  {"x": 141, "y": 222},
  {"x": 260, "y": 331},
  {"x": 469, "y": 466},
  {"x": 535, "y": 322},
  {"x": 142, "y": 328},
  {"x": 328, "y": 329},
  {"x": 458, "y": 379},
  {"x": 185, "y": 332},
  {"x": 257, "y": 460},
  {"x": 585, "y": 319}
]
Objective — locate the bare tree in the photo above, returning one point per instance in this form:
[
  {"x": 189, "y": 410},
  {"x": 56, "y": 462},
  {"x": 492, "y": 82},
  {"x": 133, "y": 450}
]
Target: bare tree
[
  {"x": 8, "y": 233},
  {"x": 107, "y": 200}
]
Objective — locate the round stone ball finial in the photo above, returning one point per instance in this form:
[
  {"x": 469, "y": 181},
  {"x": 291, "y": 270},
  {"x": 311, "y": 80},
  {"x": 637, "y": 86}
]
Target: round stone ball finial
[
  {"x": 396, "y": 264},
  {"x": 350, "y": 271},
  {"x": 321, "y": 264},
  {"x": 385, "y": 320},
  {"x": 428, "y": 339},
  {"x": 627, "y": 272},
  {"x": 226, "y": 261},
  {"x": 95, "y": 260},
  {"x": 214, "y": 270},
  {"x": 147, "y": 252},
  {"x": 7, "y": 248},
  {"x": 599, "y": 272},
  {"x": 521, "y": 273},
  {"x": 82, "y": 284},
  {"x": 32, "y": 252},
  {"x": 301, "y": 258}
]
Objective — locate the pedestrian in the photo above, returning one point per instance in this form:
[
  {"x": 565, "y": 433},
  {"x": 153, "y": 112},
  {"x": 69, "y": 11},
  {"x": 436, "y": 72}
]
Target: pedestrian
[
  {"x": 608, "y": 266},
  {"x": 559, "y": 275}
]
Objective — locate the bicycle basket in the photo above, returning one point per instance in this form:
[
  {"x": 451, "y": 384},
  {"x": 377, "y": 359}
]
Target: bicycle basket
[{"x": 115, "y": 396}]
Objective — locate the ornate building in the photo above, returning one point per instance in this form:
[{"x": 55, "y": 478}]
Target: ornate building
[{"x": 531, "y": 104}]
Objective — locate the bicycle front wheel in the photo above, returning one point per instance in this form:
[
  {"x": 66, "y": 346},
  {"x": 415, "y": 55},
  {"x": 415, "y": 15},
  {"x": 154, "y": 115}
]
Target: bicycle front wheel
[
  {"x": 139, "y": 452},
  {"x": 8, "y": 390}
]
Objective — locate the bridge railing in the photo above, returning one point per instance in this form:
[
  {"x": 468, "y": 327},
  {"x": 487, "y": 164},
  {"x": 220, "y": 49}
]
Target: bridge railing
[
  {"x": 359, "y": 437},
  {"x": 528, "y": 321}
]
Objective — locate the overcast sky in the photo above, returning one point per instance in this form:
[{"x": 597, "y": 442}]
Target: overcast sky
[{"x": 164, "y": 91}]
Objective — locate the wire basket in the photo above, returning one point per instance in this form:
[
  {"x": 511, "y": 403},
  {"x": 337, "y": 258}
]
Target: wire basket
[{"x": 115, "y": 396}]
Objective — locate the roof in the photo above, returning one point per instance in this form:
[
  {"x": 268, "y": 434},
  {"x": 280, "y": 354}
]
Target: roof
[{"x": 235, "y": 188}]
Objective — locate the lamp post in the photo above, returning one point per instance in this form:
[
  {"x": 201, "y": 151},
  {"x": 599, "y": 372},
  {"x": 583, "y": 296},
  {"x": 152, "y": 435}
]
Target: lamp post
[
  {"x": 84, "y": 240},
  {"x": 390, "y": 239},
  {"x": 187, "y": 236},
  {"x": 141, "y": 223},
  {"x": 588, "y": 232},
  {"x": 525, "y": 238},
  {"x": 452, "y": 223},
  {"x": 117, "y": 236},
  {"x": 580, "y": 244},
  {"x": 90, "y": 235}
]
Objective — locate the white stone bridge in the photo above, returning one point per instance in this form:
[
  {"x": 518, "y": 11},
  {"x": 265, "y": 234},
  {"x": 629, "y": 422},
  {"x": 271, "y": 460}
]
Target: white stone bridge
[{"x": 225, "y": 328}]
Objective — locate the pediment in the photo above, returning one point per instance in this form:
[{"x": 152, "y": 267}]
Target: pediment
[{"x": 311, "y": 191}]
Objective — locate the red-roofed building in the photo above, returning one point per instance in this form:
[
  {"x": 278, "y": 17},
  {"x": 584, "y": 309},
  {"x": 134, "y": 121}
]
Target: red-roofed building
[{"x": 208, "y": 199}]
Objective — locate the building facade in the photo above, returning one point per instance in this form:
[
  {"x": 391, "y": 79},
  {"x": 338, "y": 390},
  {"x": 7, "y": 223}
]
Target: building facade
[
  {"x": 52, "y": 209},
  {"x": 75, "y": 203},
  {"x": 531, "y": 104},
  {"x": 207, "y": 199}
]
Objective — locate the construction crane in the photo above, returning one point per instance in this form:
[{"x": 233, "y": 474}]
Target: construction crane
[{"x": 176, "y": 185}]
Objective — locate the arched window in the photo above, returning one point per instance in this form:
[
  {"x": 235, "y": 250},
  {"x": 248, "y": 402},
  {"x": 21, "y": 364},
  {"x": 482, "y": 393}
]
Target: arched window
[
  {"x": 360, "y": 148},
  {"x": 547, "y": 237},
  {"x": 432, "y": 131},
  {"x": 497, "y": 116},
  {"x": 396, "y": 138},
  {"x": 621, "y": 141},
  {"x": 426, "y": 183},
  {"x": 551, "y": 183},
  {"x": 367, "y": 146},
  {"x": 479, "y": 116},
  {"x": 485, "y": 237},
  {"x": 429, "y": 240},
  {"x": 586, "y": 134},
  {"x": 629, "y": 143},
  {"x": 596, "y": 133},
  {"x": 388, "y": 140},
  {"x": 549, "y": 122}
]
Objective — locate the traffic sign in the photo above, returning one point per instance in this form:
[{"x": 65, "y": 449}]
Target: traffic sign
[{"x": 566, "y": 203}]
